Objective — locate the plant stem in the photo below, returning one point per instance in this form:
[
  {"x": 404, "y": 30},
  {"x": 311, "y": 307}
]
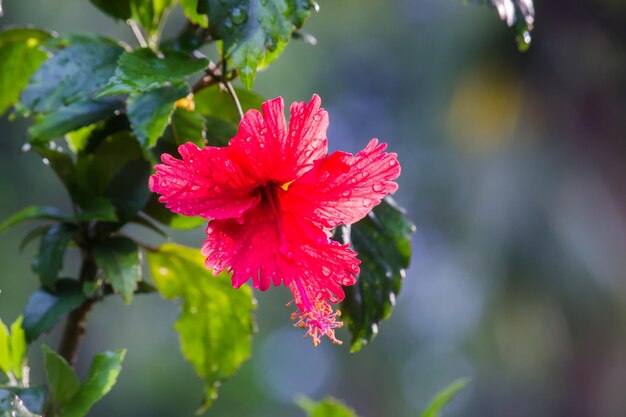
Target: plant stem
[
  {"x": 137, "y": 32},
  {"x": 76, "y": 321}
]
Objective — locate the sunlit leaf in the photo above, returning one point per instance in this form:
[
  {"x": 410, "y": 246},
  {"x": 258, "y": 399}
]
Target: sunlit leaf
[
  {"x": 383, "y": 243},
  {"x": 12, "y": 348},
  {"x": 444, "y": 397},
  {"x": 45, "y": 309},
  {"x": 119, "y": 259},
  {"x": 144, "y": 70},
  {"x": 328, "y": 407},
  {"x": 250, "y": 29},
  {"x": 19, "y": 59},
  {"x": 190, "y": 7},
  {"x": 102, "y": 375},
  {"x": 63, "y": 382},
  {"x": 216, "y": 102},
  {"x": 72, "y": 75},
  {"x": 148, "y": 13},
  {"x": 215, "y": 323}
]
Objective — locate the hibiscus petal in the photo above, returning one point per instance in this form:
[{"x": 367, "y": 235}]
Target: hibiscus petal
[
  {"x": 269, "y": 247},
  {"x": 342, "y": 188},
  {"x": 204, "y": 183},
  {"x": 267, "y": 151}
]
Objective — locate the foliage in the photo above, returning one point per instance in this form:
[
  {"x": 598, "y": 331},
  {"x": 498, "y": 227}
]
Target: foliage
[{"x": 102, "y": 113}]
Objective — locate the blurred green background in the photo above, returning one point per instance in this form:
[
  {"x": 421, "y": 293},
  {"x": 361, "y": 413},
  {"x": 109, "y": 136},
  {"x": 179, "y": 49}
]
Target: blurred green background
[{"x": 513, "y": 171}]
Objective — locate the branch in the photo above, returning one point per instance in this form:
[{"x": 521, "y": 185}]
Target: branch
[{"x": 75, "y": 325}]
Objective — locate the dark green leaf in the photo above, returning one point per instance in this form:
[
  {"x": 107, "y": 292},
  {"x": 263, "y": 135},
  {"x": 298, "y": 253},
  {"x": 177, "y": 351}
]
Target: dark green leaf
[
  {"x": 19, "y": 59},
  {"x": 150, "y": 112},
  {"x": 63, "y": 382},
  {"x": 100, "y": 163},
  {"x": 61, "y": 162},
  {"x": 143, "y": 70},
  {"x": 383, "y": 243},
  {"x": 72, "y": 75},
  {"x": 45, "y": 309},
  {"x": 97, "y": 209},
  {"x": 216, "y": 102},
  {"x": 158, "y": 212},
  {"x": 32, "y": 235},
  {"x": 118, "y": 9},
  {"x": 128, "y": 189},
  {"x": 102, "y": 375},
  {"x": 328, "y": 407},
  {"x": 68, "y": 118},
  {"x": 33, "y": 212},
  {"x": 32, "y": 399},
  {"x": 190, "y": 7},
  {"x": 215, "y": 322},
  {"x": 519, "y": 14},
  {"x": 250, "y": 29},
  {"x": 49, "y": 260},
  {"x": 12, "y": 406},
  {"x": 444, "y": 397},
  {"x": 119, "y": 259}
]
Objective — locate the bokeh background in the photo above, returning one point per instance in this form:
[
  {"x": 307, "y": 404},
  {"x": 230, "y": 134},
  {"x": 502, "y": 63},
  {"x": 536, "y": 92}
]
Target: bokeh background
[{"x": 514, "y": 172}]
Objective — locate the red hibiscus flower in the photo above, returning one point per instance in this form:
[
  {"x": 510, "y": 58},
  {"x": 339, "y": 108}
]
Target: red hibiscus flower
[{"x": 272, "y": 197}]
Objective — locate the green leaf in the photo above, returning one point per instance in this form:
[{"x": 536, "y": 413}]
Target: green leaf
[
  {"x": 49, "y": 260},
  {"x": 150, "y": 112},
  {"x": 102, "y": 375},
  {"x": 518, "y": 14},
  {"x": 383, "y": 243},
  {"x": 72, "y": 75},
  {"x": 19, "y": 59},
  {"x": 45, "y": 309},
  {"x": 444, "y": 397},
  {"x": 99, "y": 163},
  {"x": 12, "y": 348},
  {"x": 158, "y": 212},
  {"x": 32, "y": 235},
  {"x": 27, "y": 401},
  {"x": 61, "y": 162},
  {"x": 144, "y": 70},
  {"x": 215, "y": 323},
  {"x": 33, "y": 212},
  {"x": 128, "y": 189},
  {"x": 188, "y": 126},
  {"x": 215, "y": 102},
  {"x": 190, "y": 7},
  {"x": 63, "y": 382},
  {"x": 328, "y": 407},
  {"x": 118, "y": 9},
  {"x": 65, "y": 119},
  {"x": 252, "y": 28},
  {"x": 17, "y": 342},
  {"x": 119, "y": 259}
]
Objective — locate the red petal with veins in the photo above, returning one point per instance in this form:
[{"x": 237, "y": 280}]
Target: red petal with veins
[
  {"x": 268, "y": 151},
  {"x": 204, "y": 183},
  {"x": 270, "y": 246},
  {"x": 342, "y": 188}
]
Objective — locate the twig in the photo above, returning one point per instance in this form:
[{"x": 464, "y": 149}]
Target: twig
[
  {"x": 137, "y": 32},
  {"x": 233, "y": 95},
  {"x": 75, "y": 324}
]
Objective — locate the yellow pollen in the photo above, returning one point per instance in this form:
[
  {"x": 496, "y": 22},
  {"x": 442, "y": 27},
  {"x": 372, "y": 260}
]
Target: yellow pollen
[{"x": 286, "y": 185}]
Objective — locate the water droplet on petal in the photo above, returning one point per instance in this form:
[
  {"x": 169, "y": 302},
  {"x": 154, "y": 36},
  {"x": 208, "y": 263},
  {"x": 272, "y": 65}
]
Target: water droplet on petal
[
  {"x": 366, "y": 202},
  {"x": 392, "y": 162},
  {"x": 377, "y": 187}
]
